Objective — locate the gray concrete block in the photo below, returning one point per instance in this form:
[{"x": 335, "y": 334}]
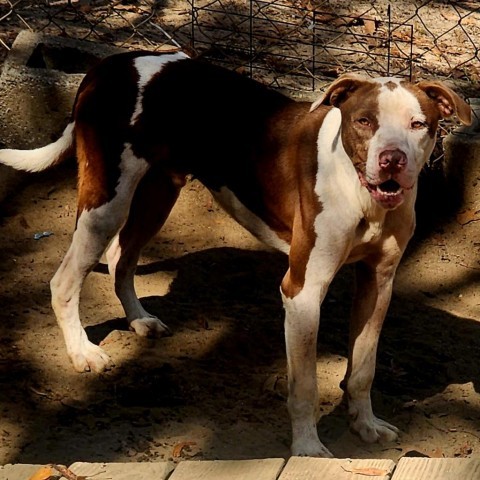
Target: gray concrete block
[
  {"x": 462, "y": 161},
  {"x": 38, "y": 84}
]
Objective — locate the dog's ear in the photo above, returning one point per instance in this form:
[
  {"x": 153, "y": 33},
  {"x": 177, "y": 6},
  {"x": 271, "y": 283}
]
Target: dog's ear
[
  {"x": 339, "y": 90},
  {"x": 448, "y": 102}
]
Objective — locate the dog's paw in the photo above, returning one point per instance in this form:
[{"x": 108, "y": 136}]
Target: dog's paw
[
  {"x": 302, "y": 448},
  {"x": 90, "y": 358},
  {"x": 375, "y": 430},
  {"x": 149, "y": 327}
]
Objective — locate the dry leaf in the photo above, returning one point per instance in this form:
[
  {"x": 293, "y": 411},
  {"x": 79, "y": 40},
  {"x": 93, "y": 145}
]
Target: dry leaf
[
  {"x": 242, "y": 71},
  {"x": 368, "y": 472},
  {"x": 437, "y": 453},
  {"x": 23, "y": 222},
  {"x": 67, "y": 473},
  {"x": 44, "y": 473},
  {"x": 369, "y": 26},
  {"x": 84, "y": 8},
  {"x": 467, "y": 216},
  {"x": 464, "y": 451},
  {"x": 203, "y": 322},
  {"x": 178, "y": 448}
]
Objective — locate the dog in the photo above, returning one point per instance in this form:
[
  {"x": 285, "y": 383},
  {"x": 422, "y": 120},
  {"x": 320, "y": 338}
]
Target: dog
[{"x": 327, "y": 183}]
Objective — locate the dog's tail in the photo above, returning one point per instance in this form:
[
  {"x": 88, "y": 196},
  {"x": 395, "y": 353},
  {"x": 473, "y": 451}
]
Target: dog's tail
[{"x": 41, "y": 158}]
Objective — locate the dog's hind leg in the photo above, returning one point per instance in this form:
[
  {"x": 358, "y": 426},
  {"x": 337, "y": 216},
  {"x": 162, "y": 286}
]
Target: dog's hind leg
[
  {"x": 101, "y": 215},
  {"x": 151, "y": 205}
]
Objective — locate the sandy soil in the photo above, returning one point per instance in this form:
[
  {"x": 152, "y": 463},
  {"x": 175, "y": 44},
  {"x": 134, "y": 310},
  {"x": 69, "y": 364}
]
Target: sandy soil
[{"x": 216, "y": 388}]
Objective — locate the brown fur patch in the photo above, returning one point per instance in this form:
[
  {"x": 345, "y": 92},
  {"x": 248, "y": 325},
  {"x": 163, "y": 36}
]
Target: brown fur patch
[
  {"x": 427, "y": 105},
  {"x": 92, "y": 177},
  {"x": 97, "y": 144},
  {"x": 307, "y": 206},
  {"x": 445, "y": 101},
  {"x": 363, "y": 103},
  {"x": 391, "y": 85},
  {"x": 102, "y": 112},
  {"x": 249, "y": 154},
  {"x": 265, "y": 153}
]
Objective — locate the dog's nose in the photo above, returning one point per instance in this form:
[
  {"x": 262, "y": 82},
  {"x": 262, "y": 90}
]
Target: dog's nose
[{"x": 392, "y": 160}]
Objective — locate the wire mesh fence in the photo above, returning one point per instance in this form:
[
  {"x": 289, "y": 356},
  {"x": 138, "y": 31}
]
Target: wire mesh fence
[
  {"x": 297, "y": 47},
  {"x": 131, "y": 24},
  {"x": 295, "y": 44}
]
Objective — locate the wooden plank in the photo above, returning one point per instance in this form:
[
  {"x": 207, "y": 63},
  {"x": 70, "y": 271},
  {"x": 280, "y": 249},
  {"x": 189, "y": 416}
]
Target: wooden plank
[
  {"x": 306, "y": 468},
  {"x": 18, "y": 471},
  {"x": 437, "y": 468},
  {"x": 265, "y": 469},
  {"x": 123, "y": 471}
]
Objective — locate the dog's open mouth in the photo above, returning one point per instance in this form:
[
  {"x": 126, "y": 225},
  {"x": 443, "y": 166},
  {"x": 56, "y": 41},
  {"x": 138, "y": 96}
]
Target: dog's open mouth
[
  {"x": 389, "y": 193},
  {"x": 390, "y": 187}
]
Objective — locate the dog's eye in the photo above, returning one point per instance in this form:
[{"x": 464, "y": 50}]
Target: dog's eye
[
  {"x": 418, "y": 125},
  {"x": 364, "y": 121}
]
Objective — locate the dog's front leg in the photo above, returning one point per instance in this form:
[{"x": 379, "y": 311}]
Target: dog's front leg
[
  {"x": 372, "y": 297},
  {"x": 302, "y": 317}
]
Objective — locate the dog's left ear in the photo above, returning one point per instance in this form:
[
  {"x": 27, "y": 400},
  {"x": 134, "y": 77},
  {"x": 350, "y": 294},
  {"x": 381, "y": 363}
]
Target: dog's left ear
[
  {"x": 448, "y": 102},
  {"x": 339, "y": 90}
]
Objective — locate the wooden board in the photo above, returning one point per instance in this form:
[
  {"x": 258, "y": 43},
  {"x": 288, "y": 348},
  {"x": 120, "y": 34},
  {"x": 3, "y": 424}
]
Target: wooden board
[
  {"x": 306, "y": 468},
  {"x": 297, "y": 468},
  {"x": 438, "y": 469},
  {"x": 265, "y": 469},
  {"x": 18, "y": 471},
  {"x": 123, "y": 471}
]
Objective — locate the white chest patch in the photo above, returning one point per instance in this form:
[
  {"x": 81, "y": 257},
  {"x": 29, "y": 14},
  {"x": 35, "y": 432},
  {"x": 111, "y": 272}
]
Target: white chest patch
[
  {"x": 147, "y": 67},
  {"x": 337, "y": 184},
  {"x": 345, "y": 203}
]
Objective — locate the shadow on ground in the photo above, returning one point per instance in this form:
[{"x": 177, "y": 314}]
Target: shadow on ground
[{"x": 208, "y": 378}]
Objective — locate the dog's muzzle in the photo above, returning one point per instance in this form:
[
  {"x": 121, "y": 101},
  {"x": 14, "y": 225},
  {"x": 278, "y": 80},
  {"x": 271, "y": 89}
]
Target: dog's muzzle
[{"x": 389, "y": 189}]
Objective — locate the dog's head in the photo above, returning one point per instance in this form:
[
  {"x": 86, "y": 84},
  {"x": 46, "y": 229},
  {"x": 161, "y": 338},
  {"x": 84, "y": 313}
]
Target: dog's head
[{"x": 389, "y": 127}]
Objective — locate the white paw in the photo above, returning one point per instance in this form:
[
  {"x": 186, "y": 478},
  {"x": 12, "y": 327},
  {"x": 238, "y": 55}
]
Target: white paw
[
  {"x": 149, "y": 327},
  {"x": 310, "y": 448},
  {"x": 90, "y": 358},
  {"x": 375, "y": 430}
]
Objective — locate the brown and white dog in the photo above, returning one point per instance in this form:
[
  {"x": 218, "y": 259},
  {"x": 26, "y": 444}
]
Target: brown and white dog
[{"x": 328, "y": 183}]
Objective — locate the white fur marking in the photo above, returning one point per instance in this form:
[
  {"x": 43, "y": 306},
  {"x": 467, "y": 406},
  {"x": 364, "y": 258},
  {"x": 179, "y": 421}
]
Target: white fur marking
[
  {"x": 397, "y": 109},
  {"x": 147, "y": 67},
  {"x": 113, "y": 254},
  {"x": 94, "y": 229},
  {"x": 336, "y": 166}
]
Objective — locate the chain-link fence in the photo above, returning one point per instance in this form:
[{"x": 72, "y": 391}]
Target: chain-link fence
[
  {"x": 297, "y": 44},
  {"x": 145, "y": 24},
  {"x": 315, "y": 41},
  {"x": 300, "y": 47}
]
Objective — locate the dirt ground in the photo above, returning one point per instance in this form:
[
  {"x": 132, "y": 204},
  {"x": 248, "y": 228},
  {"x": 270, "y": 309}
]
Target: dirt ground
[{"x": 216, "y": 388}]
